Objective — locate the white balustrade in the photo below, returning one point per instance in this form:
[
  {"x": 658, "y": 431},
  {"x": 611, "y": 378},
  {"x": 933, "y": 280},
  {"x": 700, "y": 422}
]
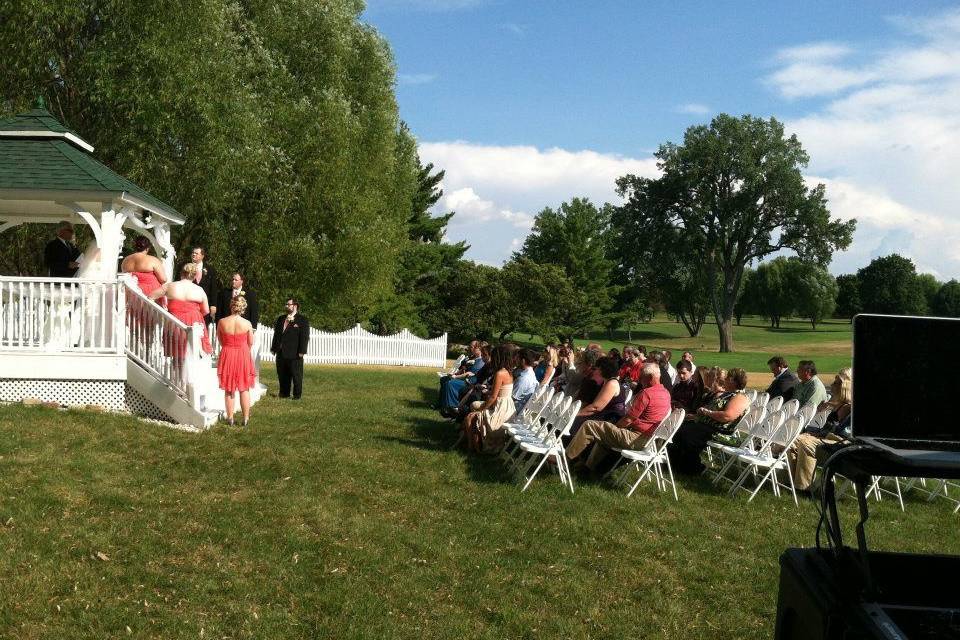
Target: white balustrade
[
  {"x": 161, "y": 343},
  {"x": 59, "y": 315}
]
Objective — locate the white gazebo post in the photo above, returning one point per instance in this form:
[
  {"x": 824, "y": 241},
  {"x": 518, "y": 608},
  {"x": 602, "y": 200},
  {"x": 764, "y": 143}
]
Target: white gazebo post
[{"x": 163, "y": 246}]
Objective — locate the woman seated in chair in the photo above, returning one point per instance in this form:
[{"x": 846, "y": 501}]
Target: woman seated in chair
[
  {"x": 547, "y": 366},
  {"x": 803, "y": 453},
  {"x": 483, "y": 426},
  {"x": 718, "y": 417},
  {"x": 608, "y": 404}
]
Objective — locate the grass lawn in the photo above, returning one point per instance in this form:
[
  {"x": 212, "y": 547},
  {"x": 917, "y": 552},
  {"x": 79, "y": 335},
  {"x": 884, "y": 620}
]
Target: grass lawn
[
  {"x": 347, "y": 515},
  {"x": 829, "y": 345}
]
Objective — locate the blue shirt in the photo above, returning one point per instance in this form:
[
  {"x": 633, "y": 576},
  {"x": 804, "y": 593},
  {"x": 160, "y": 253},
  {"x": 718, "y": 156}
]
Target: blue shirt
[
  {"x": 524, "y": 387},
  {"x": 474, "y": 369}
]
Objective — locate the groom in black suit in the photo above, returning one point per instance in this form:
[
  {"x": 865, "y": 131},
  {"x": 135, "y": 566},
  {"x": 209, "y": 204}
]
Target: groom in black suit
[
  {"x": 784, "y": 380},
  {"x": 206, "y": 279},
  {"x": 291, "y": 333},
  {"x": 238, "y": 288},
  {"x": 60, "y": 255}
]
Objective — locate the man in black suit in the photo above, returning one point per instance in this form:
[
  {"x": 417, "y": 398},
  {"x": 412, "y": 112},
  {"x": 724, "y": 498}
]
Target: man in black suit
[
  {"x": 60, "y": 255},
  {"x": 207, "y": 280},
  {"x": 291, "y": 333},
  {"x": 784, "y": 380},
  {"x": 237, "y": 288}
]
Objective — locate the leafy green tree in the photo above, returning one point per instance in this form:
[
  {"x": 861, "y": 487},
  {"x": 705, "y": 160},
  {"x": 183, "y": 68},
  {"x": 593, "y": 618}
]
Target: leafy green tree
[
  {"x": 536, "y": 295},
  {"x": 272, "y": 126},
  {"x": 929, "y": 286},
  {"x": 946, "y": 303},
  {"x": 848, "y": 296},
  {"x": 771, "y": 284},
  {"x": 735, "y": 193},
  {"x": 889, "y": 285},
  {"x": 575, "y": 237},
  {"x": 747, "y": 297},
  {"x": 814, "y": 291}
]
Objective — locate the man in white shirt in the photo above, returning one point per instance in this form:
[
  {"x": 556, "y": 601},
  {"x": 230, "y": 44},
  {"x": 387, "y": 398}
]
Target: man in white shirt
[{"x": 671, "y": 370}]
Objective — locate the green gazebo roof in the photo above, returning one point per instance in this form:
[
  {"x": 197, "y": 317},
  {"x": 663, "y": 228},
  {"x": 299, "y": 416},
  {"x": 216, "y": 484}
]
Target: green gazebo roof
[{"x": 38, "y": 153}]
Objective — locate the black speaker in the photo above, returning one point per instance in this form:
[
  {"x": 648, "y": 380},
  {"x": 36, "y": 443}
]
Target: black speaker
[{"x": 822, "y": 596}]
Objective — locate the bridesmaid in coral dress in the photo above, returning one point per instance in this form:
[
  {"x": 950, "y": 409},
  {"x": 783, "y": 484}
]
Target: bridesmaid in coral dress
[
  {"x": 147, "y": 269},
  {"x": 235, "y": 367},
  {"x": 187, "y": 302}
]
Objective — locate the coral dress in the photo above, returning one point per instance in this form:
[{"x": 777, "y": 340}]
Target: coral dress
[
  {"x": 235, "y": 367},
  {"x": 148, "y": 283},
  {"x": 187, "y": 312}
]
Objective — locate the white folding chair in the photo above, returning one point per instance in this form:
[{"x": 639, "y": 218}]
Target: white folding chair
[
  {"x": 771, "y": 457},
  {"x": 551, "y": 446},
  {"x": 790, "y": 407},
  {"x": 752, "y": 441},
  {"x": 753, "y": 417},
  {"x": 751, "y": 395},
  {"x": 774, "y": 405},
  {"x": 454, "y": 368},
  {"x": 555, "y": 411},
  {"x": 808, "y": 411},
  {"x": 653, "y": 456}
]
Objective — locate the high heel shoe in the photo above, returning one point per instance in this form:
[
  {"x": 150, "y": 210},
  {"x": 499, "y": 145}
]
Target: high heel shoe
[
  {"x": 246, "y": 422},
  {"x": 230, "y": 422}
]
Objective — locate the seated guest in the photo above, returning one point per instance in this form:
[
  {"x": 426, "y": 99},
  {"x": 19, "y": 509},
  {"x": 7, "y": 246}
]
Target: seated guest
[
  {"x": 657, "y": 356},
  {"x": 617, "y": 359},
  {"x": 712, "y": 382},
  {"x": 642, "y": 353},
  {"x": 720, "y": 416},
  {"x": 784, "y": 380},
  {"x": 524, "y": 384},
  {"x": 686, "y": 391},
  {"x": 649, "y": 408},
  {"x": 451, "y": 387},
  {"x": 687, "y": 356},
  {"x": 483, "y": 426},
  {"x": 577, "y": 374},
  {"x": 477, "y": 389},
  {"x": 592, "y": 380},
  {"x": 609, "y": 402},
  {"x": 671, "y": 371},
  {"x": 547, "y": 367},
  {"x": 810, "y": 391},
  {"x": 802, "y": 455},
  {"x": 629, "y": 373}
]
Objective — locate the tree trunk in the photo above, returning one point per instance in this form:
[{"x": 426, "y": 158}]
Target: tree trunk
[
  {"x": 630, "y": 332},
  {"x": 503, "y": 334},
  {"x": 725, "y": 327}
]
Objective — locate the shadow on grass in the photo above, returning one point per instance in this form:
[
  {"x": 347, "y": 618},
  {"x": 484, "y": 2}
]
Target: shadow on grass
[{"x": 440, "y": 435}]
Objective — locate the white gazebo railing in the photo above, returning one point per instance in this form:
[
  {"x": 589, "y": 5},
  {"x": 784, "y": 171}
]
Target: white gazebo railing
[
  {"x": 59, "y": 315},
  {"x": 160, "y": 343},
  {"x": 359, "y": 346}
]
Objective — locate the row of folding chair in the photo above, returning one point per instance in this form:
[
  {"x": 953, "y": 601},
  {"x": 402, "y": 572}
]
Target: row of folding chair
[{"x": 536, "y": 436}]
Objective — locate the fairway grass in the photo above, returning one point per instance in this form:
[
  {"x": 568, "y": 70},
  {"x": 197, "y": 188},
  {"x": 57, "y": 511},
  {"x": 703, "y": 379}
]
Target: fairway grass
[
  {"x": 829, "y": 345},
  {"x": 347, "y": 515}
]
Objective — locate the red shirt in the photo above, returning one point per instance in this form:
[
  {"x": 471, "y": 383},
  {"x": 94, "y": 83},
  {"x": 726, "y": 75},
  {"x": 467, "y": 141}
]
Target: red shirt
[
  {"x": 649, "y": 409},
  {"x": 631, "y": 370}
]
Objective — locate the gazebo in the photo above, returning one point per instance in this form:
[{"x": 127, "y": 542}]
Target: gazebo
[{"x": 94, "y": 339}]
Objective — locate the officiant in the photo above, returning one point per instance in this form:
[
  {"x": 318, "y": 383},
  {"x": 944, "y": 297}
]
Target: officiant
[
  {"x": 238, "y": 288},
  {"x": 61, "y": 255}
]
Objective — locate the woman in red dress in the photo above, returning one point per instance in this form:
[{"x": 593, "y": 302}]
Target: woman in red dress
[
  {"x": 147, "y": 269},
  {"x": 235, "y": 367},
  {"x": 187, "y": 302}
]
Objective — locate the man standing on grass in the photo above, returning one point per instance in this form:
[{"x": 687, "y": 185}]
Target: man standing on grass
[
  {"x": 649, "y": 408},
  {"x": 291, "y": 333},
  {"x": 784, "y": 380},
  {"x": 810, "y": 391}
]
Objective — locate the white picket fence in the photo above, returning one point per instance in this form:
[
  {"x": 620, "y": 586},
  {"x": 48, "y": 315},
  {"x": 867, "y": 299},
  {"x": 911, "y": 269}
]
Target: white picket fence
[{"x": 359, "y": 346}]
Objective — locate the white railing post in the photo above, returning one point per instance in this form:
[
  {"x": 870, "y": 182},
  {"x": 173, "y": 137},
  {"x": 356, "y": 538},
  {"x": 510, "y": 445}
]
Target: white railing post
[{"x": 191, "y": 365}]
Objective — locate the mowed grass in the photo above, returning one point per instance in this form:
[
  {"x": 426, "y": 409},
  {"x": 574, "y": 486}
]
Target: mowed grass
[
  {"x": 829, "y": 345},
  {"x": 347, "y": 515}
]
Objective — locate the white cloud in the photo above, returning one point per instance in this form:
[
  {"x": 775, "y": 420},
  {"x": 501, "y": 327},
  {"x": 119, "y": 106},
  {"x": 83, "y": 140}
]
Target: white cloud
[
  {"x": 887, "y": 143},
  {"x": 694, "y": 108},
  {"x": 497, "y": 190},
  {"x": 415, "y": 78},
  {"x": 514, "y": 28}
]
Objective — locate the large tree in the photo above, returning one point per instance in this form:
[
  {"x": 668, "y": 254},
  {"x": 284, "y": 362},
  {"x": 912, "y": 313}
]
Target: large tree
[
  {"x": 575, "y": 237},
  {"x": 771, "y": 286},
  {"x": 814, "y": 291},
  {"x": 848, "y": 296},
  {"x": 272, "y": 126},
  {"x": 735, "y": 193},
  {"x": 947, "y": 301},
  {"x": 889, "y": 285}
]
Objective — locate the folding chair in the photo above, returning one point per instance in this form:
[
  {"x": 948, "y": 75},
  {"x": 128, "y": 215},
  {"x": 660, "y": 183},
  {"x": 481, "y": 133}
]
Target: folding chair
[
  {"x": 808, "y": 412},
  {"x": 454, "y": 368},
  {"x": 653, "y": 456},
  {"x": 754, "y": 416},
  {"x": 551, "y": 446},
  {"x": 752, "y": 442},
  {"x": 774, "y": 405},
  {"x": 751, "y": 395},
  {"x": 790, "y": 407},
  {"x": 761, "y": 399},
  {"x": 782, "y": 439}
]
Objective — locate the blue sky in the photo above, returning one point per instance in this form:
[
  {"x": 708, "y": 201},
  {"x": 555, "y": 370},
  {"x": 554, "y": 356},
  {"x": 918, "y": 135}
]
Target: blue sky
[{"x": 527, "y": 104}]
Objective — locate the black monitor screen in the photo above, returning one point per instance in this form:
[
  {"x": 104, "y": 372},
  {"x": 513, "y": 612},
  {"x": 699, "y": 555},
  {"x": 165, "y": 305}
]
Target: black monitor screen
[{"x": 904, "y": 385}]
